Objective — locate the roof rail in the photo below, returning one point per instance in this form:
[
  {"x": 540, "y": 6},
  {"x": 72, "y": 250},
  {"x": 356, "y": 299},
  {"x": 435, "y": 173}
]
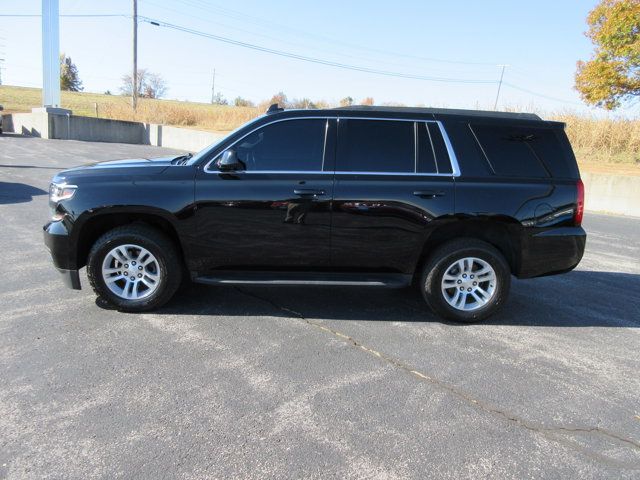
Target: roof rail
[{"x": 442, "y": 111}]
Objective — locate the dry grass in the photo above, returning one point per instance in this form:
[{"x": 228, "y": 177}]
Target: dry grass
[
  {"x": 603, "y": 140},
  {"x": 201, "y": 116}
]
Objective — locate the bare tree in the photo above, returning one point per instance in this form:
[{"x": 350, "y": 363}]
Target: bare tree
[
  {"x": 242, "y": 102},
  {"x": 346, "y": 102},
  {"x": 150, "y": 85},
  {"x": 304, "y": 103},
  {"x": 154, "y": 86},
  {"x": 218, "y": 99}
]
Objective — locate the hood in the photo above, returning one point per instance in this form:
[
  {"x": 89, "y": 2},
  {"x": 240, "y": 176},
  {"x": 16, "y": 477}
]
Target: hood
[
  {"x": 130, "y": 162},
  {"x": 130, "y": 167}
]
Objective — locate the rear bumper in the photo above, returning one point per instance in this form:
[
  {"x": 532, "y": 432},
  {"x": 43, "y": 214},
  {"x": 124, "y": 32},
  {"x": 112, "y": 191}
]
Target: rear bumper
[
  {"x": 56, "y": 239},
  {"x": 550, "y": 252}
]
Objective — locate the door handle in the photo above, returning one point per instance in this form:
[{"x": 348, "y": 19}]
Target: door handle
[
  {"x": 304, "y": 192},
  {"x": 428, "y": 193}
]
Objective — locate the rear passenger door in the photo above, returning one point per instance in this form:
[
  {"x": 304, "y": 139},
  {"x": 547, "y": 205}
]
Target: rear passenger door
[{"x": 393, "y": 179}]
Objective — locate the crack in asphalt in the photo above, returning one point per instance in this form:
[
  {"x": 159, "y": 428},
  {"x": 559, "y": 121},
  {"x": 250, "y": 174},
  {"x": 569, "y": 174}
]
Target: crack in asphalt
[{"x": 467, "y": 398}]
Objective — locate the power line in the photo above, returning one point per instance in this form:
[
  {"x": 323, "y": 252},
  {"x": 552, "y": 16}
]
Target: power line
[
  {"x": 541, "y": 95},
  {"x": 305, "y": 58},
  {"x": 235, "y": 14}
]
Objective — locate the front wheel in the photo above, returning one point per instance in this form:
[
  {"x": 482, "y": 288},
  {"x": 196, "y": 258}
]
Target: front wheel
[
  {"x": 466, "y": 280},
  {"x": 134, "y": 268}
]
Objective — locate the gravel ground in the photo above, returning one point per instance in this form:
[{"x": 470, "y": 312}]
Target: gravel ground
[{"x": 309, "y": 382}]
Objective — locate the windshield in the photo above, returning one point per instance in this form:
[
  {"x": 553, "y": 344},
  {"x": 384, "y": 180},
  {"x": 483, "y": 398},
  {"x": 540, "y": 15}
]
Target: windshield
[{"x": 205, "y": 151}]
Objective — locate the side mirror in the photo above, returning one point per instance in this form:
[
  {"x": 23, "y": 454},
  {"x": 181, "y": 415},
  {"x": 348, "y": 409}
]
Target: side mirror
[
  {"x": 1, "y": 108},
  {"x": 229, "y": 161}
]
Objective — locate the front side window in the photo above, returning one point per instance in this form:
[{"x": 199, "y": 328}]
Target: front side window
[
  {"x": 291, "y": 145},
  {"x": 376, "y": 146}
]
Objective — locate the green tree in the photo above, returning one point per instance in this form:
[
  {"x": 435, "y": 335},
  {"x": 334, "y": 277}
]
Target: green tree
[
  {"x": 69, "y": 77},
  {"x": 612, "y": 76}
]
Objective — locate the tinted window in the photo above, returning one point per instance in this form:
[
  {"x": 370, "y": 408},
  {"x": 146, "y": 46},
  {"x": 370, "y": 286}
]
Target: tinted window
[
  {"x": 376, "y": 146},
  {"x": 432, "y": 151},
  {"x": 513, "y": 151},
  {"x": 442, "y": 156},
  {"x": 286, "y": 145},
  {"x": 426, "y": 152}
]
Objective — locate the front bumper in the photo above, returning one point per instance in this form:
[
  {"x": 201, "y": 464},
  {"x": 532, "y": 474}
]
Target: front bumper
[
  {"x": 553, "y": 251},
  {"x": 56, "y": 239}
]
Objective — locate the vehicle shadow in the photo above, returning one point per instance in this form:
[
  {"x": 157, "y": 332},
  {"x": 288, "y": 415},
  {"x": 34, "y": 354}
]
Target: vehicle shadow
[
  {"x": 576, "y": 299},
  {"x": 18, "y": 192},
  {"x": 2, "y": 165}
]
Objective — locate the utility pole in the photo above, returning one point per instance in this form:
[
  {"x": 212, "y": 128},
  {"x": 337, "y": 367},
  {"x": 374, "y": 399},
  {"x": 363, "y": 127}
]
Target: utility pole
[
  {"x": 213, "y": 86},
  {"x": 134, "y": 77},
  {"x": 495, "y": 106}
]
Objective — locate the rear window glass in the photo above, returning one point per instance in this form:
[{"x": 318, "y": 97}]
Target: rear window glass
[
  {"x": 516, "y": 151},
  {"x": 376, "y": 146}
]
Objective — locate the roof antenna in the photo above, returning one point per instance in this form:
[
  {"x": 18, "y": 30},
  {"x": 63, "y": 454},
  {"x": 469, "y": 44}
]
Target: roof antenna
[{"x": 274, "y": 108}]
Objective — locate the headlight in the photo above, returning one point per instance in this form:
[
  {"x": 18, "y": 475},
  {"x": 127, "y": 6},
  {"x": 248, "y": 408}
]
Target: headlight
[{"x": 61, "y": 191}]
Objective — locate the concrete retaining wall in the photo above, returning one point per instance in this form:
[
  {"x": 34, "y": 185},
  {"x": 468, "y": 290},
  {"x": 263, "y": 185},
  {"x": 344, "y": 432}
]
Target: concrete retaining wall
[
  {"x": 612, "y": 193},
  {"x": 74, "y": 127},
  {"x": 179, "y": 138}
]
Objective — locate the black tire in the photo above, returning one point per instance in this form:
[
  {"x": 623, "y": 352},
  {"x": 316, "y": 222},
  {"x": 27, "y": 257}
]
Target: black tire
[
  {"x": 165, "y": 252},
  {"x": 443, "y": 257}
]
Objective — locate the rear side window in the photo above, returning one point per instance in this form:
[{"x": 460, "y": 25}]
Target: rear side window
[
  {"x": 432, "y": 151},
  {"x": 376, "y": 146},
  {"x": 514, "y": 151},
  {"x": 292, "y": 145}
]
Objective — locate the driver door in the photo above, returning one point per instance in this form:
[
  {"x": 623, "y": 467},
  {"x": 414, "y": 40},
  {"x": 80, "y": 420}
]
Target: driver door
[{"x": 275, "y": 212}]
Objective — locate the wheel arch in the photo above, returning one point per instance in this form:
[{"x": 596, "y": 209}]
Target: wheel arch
[
  {"x": 502, "y": 232},
  {"x": 93, "y": 227}
]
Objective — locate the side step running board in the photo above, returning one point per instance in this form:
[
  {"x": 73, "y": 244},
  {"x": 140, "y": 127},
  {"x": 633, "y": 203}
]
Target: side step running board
[{"x": 386, "y": 280}]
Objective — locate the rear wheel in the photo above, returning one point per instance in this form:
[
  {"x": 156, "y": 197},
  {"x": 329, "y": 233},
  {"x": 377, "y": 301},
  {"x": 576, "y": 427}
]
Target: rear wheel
[
  {"x": 466, "y": 280},
  {"x": 134, "y": 268}
]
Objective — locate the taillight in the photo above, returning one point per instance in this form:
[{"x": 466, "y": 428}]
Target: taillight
[{"x": 579, "y": 213}]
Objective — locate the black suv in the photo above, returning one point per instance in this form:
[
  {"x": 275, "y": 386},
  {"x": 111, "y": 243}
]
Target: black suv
[{"x": 452, "y": 201}]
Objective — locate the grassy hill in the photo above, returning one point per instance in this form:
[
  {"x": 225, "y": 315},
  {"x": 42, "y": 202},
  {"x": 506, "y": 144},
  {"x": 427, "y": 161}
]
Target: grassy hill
[
  {"x": 600, "y": 144},
  {"x": 202, "y": 116}
]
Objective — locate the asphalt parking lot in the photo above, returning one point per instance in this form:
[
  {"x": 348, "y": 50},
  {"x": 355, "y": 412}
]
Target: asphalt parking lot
[{"x": 229, "y": 382}]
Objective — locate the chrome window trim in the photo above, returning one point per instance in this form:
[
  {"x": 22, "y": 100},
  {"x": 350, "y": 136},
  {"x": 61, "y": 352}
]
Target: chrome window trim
[
  {"x": 453, "y": 159},
  {"x": 415, "y": 147},
  {"x": 324, "y": 145},
  {"x": 433, "y": 149}
]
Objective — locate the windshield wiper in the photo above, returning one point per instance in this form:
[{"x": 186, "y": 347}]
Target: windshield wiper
[{"x": 181, "y": 159}]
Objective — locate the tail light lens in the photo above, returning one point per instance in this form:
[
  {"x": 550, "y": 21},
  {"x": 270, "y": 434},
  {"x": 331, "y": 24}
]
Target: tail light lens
[{"x": 579, "y": 212}]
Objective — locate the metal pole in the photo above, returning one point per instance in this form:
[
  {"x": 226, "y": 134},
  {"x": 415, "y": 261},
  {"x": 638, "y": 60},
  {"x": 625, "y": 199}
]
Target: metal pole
[
  {"x": 495, "y": 106},
  {"x": 134, "y": 77},
  {"x": 213, "y": 86},
  {"x": 50, "y": 54}
]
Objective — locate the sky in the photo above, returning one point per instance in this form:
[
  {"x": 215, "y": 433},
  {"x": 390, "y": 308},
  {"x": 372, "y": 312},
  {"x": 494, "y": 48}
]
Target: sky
[{"x": 453, "y": 46}]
